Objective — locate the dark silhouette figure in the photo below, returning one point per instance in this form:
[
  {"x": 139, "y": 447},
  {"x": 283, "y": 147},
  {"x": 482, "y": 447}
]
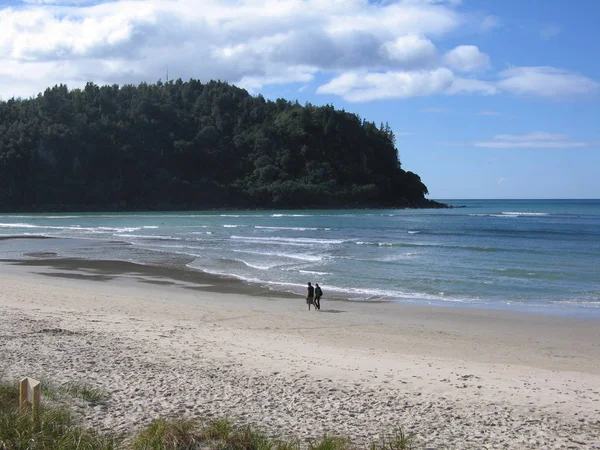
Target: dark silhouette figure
[
  {"x": 318, "y": 295},
  {"x": 310, "y": 295}
]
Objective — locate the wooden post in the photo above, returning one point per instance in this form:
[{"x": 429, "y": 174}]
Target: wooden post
[
  {"x": 23, "y": 394},
  {"x": 30, "y": 394}
]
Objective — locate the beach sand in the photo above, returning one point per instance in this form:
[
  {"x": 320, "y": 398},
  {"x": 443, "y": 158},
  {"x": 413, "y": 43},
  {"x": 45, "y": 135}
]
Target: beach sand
[{"x": 166, "y": 342}]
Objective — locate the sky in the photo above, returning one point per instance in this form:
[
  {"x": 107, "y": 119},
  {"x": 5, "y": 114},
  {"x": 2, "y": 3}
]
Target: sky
[{"x": 488, "y": 98}]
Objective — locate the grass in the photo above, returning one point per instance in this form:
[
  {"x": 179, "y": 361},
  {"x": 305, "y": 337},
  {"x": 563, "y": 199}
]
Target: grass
[
  {"x": 54, "y": 429},
  {"x": 397, "y": 439},
  {"x": 176, "y": 434},
  {"x": 48, "y": 429},
  {"x": 83, "y": 391}
]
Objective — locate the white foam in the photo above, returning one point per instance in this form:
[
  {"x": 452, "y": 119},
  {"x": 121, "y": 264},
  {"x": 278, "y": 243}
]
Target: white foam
[
  {"x": 43, "y": 217},
  {"x": 276, "y": 239},
  {"x": 383, "y": 244},
  {"x": 314, "y": 272},
  {"x": 298, "y": 256},
  {"x": 71, "y": 228},
  {"x": 242, "y": 215},
  {"x": 287, "y": 228},
  {"x": 149, "y": 236},
  {"x": 117, "y": 230},
  {"x": 516, "y": 213},
  {"x": 255, "y": 266},
  {"x": 19, "y": 225},
  {"x": 413, "y": 232}
]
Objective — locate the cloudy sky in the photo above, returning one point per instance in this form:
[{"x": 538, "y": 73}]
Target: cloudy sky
[{"x": 488, "y": 98}]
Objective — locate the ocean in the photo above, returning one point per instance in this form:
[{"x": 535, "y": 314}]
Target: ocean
[{"x": 538, "y": 256}]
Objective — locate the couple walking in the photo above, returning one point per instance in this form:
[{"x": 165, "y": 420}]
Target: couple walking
[{"x": 313, "y": 296}]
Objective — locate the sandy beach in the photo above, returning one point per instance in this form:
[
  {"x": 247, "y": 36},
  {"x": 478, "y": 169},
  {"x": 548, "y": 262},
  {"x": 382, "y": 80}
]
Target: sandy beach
[{"x": 165, "y": 342}]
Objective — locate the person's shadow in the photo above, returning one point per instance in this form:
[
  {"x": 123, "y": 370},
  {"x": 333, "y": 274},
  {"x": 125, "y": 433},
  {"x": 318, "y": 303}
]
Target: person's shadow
[{"x": 332, "y": 311}]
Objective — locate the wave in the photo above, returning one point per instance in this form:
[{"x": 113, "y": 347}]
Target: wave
[
  {"x": 242, "y": 215},
  {"x": 71, "y": 228},
  {"x": 314, "y": 272},
  {"x": 275, "y": 239},
  {"x": 297, "y": 256},
  {"x": 394, "y": 258},
  {"x": 43, "y": 217},
  {"x": 115, "y": 230},
  {"x": 578, "y": 302},
  {"x": 151, "y": 237},
  {"x": 291, "y": 215},
  {"x": 19, "y": 225},
  {"x": 534, "y": 214},
  {"x": 290, "y": 228},
  {"x": 509, "y": 214},
  {"x": 337, "y": 292},
  {"x": 413, "y": 232},
  {"x": 474, "y": 248},
  {"x": 162, "y": 246},
  {"x": 255, "y": 266}
]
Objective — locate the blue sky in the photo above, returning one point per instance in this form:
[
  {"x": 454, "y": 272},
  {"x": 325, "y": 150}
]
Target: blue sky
[{"x": 488, "y": 98}]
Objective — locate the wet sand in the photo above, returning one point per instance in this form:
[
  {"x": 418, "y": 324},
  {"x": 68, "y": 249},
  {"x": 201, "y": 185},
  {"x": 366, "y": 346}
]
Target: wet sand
[{"x": 176, "y": 342}]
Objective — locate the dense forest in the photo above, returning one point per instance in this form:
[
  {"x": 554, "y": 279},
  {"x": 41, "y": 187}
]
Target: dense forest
[{"x": 193, "y": 145}]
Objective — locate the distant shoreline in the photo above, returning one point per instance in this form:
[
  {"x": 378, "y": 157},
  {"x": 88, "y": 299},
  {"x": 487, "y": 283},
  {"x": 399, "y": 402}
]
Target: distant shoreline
[{"x": 428, "y": 204}]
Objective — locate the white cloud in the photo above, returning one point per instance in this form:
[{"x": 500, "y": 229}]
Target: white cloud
[
  {"x": 410, "y": 51},
  {"x": 360, "y": 87},
  {"x": 365, "y": 86},
  {"x": 489, "y": 113},
  {"x": 467, "y": 58},
  {"x": 534, "y": 140},
  {"x": 242, "y": 41},
  {"x": 501, "y": 180},
  {"x": 547, "y": 82},
  {"x": 367, "y": 50}
]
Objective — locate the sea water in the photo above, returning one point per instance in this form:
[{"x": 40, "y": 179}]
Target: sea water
[{"x": 541, "y": 255}]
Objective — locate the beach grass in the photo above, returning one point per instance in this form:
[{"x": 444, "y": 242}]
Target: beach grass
[
  {"x": 47, "y": 429},
  {"x": 83, "y": 391},
  {"x": 53, "y": 428}
]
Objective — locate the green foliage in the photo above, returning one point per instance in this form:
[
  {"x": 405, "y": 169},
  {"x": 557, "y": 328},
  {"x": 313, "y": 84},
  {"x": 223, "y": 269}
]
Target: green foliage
[
  {"x": 397, "y": 439},
  {"x": 47, "y": 429},
  {"x": 83, "y": 391},
  {"x": 330, "y": 443},
  {"x": 164, "y": 434},
  {"x": 193, "y": 145},
  {"x": 218, "y": 429}
]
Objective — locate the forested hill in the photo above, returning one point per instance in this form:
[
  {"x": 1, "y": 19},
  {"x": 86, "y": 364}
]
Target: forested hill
[{"x": 189, "y": 145}]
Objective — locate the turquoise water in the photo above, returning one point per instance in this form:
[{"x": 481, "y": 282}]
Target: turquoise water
[{"x": 540, "y": 255}]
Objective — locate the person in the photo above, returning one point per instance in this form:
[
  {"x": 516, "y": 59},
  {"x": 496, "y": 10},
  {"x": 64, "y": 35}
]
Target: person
[
  {"x": 310, "y": 295},
  {"x": 318, "y": 295}
]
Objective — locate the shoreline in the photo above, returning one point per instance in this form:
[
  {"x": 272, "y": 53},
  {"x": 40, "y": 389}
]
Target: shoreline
[
  {"x": 200, "y": 347},
  {"x": 176, "y": 266},
  {"x": 425, "y": 203}
]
